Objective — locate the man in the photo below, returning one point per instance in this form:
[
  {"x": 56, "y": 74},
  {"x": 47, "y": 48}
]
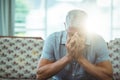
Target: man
[{"x": 74, "y": 54}]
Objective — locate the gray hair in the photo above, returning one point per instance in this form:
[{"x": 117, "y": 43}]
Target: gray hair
[{"x": 75, "y": 17}]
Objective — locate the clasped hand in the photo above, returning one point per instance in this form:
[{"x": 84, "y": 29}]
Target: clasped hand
[{"x": 75, "y": 46}]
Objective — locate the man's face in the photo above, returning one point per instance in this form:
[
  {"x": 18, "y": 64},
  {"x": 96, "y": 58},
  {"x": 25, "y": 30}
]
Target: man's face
[
  {"x": 76, "y": 25},
  {"x": 80, "y": 28}
]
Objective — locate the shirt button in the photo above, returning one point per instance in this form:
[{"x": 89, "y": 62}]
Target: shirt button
[{"x": 73, "y": 74}]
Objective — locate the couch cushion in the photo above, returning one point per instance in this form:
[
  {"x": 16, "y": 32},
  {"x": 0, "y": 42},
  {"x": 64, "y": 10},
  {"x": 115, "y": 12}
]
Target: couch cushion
[
  {"x": 19, "y": 57},
  {"x": 16, "y": 79},
  {"x": 114, "y": 48}
]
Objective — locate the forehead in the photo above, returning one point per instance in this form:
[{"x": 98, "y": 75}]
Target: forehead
[
  {"x": 76, "y": 13},
  {"x": 79, "y": 19}
]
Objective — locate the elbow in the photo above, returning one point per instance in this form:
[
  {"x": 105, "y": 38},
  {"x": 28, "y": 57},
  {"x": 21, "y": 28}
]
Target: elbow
[
  {"x": 42, "y": 74},
  {"x": 40, "y": 77},
  {"x": 109, "y": 76},
  {"x": 106, "y": 78}
]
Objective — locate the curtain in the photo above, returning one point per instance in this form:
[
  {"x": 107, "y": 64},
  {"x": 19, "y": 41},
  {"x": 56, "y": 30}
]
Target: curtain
[{"x": 7, "y": 17}]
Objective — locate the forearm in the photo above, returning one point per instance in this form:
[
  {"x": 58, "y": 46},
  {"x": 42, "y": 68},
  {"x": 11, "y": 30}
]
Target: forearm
[
  {"x": 94, "y": 70},
  {"x": 51, "y": 69}
]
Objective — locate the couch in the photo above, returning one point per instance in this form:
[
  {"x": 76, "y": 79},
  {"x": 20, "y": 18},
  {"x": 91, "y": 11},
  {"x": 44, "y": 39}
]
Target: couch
[
  {"x": 19, "y": 57},
  {"x": 114, "y": 53}
]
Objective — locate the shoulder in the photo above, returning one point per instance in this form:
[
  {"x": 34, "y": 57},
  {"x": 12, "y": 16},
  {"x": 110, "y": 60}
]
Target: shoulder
[
  {"x": 97, "y": 39},
  {"x": 55, "y": 35}
]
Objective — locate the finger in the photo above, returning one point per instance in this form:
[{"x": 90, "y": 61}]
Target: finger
[
  {"x": 73, "y": 48},
  {"x": 73, "y": 43},
  {"x": 76, "y": 42},
  {"x": 40, "y": 76},
  {"x": 72, "y": 40},
  {"x": 83, "y": 46},
  {"x": 79, "y": 38},
  {"x": 76, "y": 36},
  {"x": 68, "y": 46},
  {"x": 75, "y": 33},
  {"x": 72, "y": 51},
  {"x": 70, "y": 34},
  {"x": 39, "y": 71},
  {"x": 68, "y": 40}
]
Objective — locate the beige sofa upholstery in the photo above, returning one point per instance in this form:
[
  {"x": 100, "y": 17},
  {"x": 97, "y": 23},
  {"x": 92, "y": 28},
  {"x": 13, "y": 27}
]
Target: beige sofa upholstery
[
  {"x": 114, "y": 49},
  {"x": 19, "y": 57}
]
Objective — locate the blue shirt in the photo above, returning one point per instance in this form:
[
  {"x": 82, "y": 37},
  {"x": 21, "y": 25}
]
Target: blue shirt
[{"x": 54, "y": 49}]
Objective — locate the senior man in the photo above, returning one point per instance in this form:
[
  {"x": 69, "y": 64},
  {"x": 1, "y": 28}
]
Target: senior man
[{"x": 74, "y": 54}]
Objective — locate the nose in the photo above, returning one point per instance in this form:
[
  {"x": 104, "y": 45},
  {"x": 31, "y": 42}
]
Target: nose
[{"x": 71, "y": 31}]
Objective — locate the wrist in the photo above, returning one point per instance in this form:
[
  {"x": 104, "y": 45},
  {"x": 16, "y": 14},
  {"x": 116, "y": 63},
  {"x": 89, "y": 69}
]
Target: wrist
[
  {"x": 68, "y": 58},
  {"x": 80, "y": 59}
]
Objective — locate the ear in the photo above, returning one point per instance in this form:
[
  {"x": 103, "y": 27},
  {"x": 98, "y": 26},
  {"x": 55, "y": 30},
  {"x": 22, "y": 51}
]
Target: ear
[
  {"x": 64, "y": 23},
  {"x": 65, "y": 26}
]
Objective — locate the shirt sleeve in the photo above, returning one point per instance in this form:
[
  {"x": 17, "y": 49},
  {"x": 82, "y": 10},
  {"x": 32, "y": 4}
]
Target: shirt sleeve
[
  {"x": 102, "y": 53},
  {"x": 48, "y": 48}
]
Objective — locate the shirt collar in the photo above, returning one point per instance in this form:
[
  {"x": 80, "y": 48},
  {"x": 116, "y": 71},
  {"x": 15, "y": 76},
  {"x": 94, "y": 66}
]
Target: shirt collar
[{"x": 64, "y": 39}]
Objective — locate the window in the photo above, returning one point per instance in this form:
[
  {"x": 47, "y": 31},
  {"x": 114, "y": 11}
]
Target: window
[
  {"x": 43, "y": 17},
  {"x": 29, "y": 18},
  {"x": 115, "y": 20}
]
